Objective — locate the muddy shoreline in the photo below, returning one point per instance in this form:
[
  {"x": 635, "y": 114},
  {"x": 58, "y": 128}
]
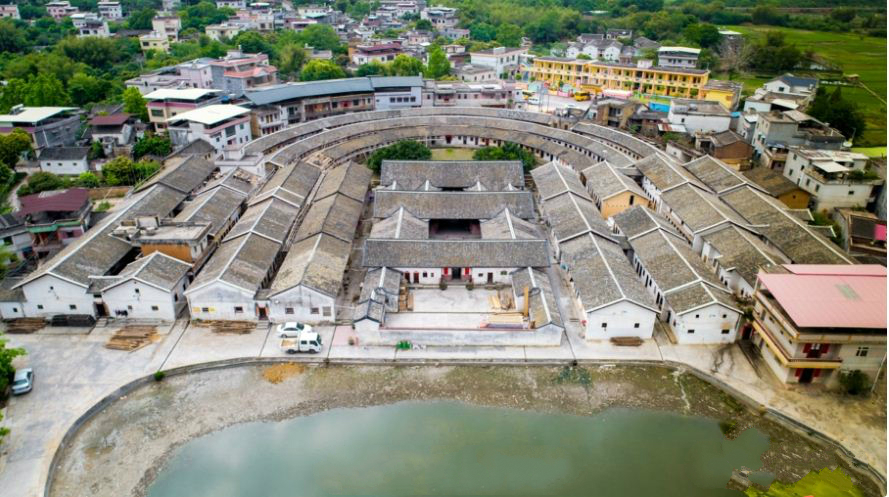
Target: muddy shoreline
[{"x": 121, "y": 450}]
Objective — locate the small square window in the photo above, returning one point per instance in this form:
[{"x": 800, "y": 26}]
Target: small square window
[
  {"x": 861, "y": 352},
  {"x": 154, "y": 308},
  {"x": 724, "y": 316},
  {"x": 288, "y": 310},
  {"x": 72, "y": 307},
  {"x": 725, "y": 332},
  {"x": 636, "y": 325},
  {"x": 327, "y": 310},
  {"x": 239, "y": 309},
  {"x": 697, "y": 316},
  {"x": 205, "y": 309},
  {"x": 314, "y": 310},
  {"x": 691, "y": 332},
  {"x": 604, "y": 325},
  {"x": 40, "y": 306}
]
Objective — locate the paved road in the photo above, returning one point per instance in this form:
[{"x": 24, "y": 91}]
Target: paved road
[{"x": 75, "y": 371}]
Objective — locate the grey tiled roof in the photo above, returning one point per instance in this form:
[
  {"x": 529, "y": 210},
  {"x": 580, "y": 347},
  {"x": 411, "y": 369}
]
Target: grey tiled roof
[
  {"x": 742, "y": 252},
  {"x": 243, "y": 262},
  {"x": 542, "y": 306},
  {"x": 569, "y": 215},
  {"x": 604, "y": 182},
  {"x": 317, "y": 262},
  {"x": 699, "y": 295},
  {"x": 670, "y": 261},
  {"x": 456, "y": 253},
  {"x": 236, "y": 179},
  {"x": 403, "y": 225},
  {"x": 214, "y": 207},
  {"x": 784, "y": 230},
  {"x": 699, "y": 210},
  {"x": 714, "y": 173},
  {"x": 336, "y": 215},
  {"x": 493, "y": 175},
  {"x": 156, "y": 269},
  {"x": 552, "y": 180},
  {"x": 601, "y": 272},
  {"x": 453, "y": 205},
  {"x": 271, "y": 219},
  {"x": 638, "y": 220},
  {"x": 771, "y": 181},
  {"x": 290, "y": 183},
  {"x": 379, "y": 294},
  {"x": 97, "y": 252},
  {"x": 351, "y": 179},
  {"x": 187, "y": 176},
  {"x": 664, "y": 174},
  {"x": 507, "y": 226}
]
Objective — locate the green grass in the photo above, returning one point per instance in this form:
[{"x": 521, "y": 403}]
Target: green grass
[
  {"x": 853, "y": 54},
  {"x": 824, "y": 483},
  {"x": 871, "y": 151},
  {"x": 452, "y": 153}
]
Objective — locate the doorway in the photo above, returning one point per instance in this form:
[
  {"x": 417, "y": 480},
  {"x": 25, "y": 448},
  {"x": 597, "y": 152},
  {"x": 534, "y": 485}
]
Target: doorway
[
  {"x": 490, "y": 278},
  {"x": 806, "y": 376},
  {"x": 456, "y": 273},
  {"x": 416, "y": 277}
]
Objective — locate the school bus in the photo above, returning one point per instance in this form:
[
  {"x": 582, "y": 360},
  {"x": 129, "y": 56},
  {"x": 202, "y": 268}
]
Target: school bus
[{"x": 581, "y": 95}]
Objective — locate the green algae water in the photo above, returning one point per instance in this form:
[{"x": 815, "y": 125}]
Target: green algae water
[{"x": 444, "y": 448}]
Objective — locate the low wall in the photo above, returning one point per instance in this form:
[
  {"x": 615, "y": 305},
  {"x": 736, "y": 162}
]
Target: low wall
[{"x": 544, "y": 337}]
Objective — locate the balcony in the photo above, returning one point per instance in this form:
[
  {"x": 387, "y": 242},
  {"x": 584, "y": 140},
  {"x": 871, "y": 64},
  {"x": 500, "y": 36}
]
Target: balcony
[{"x": 791, "y": 361}]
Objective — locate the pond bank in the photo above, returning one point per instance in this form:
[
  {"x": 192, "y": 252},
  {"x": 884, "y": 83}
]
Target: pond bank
[{"x": 119, "y": 451}]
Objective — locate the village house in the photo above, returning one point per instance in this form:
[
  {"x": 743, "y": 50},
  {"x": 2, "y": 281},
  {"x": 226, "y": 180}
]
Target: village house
[
  {"x": 612, "y": 190},
  {"x": 150, "y": 287},
  {"x": 64, "y": 160},
  {"x": 833, "y": 178},
  {"x": 47, "y": 126},
  {"x": 219, "y": 125},
  {"x": 815, "y": 322}
]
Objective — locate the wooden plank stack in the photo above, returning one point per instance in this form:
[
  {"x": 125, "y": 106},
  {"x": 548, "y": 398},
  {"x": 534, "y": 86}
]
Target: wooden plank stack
[
  {"x": 230, "y": 327},
  {"x": 627, "y": 341},
  {"x": 132, "y": 337},
  {"x": 25, "y": 325}
]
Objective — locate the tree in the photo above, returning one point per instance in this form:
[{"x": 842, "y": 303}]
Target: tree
[
  {"x": 509, "y": 35},
  {"x": 773, "y": 54},
  {"x": 85, "y": 89},
  {"x": 291, "y": 59},
  {"x": 156, "y": 145},
  {"x": 99, "y": 53},
  {"x": 42, "y": 182},
  {"x": 317, "y": 70},
  {"x": 854, "y": 382},
  {"x": 88, "y": 179},
  {"x": 123, "y": 171},
  {"x": 13, "y": 145},
  {"x": 482, "y": 31},
  {"x": 374, "y": 68},
  {"x": 403, "y": 150},
  {"x": 253, "y": 42},
  {"x": 702, "y": 34},
  {"x": 423, "y": 25},
  {"x": 509, "y": 151},
  {"x": 11, "y": 38},
  {"x": 7, "y": 371},
  {"x": 321, "y": 37},
  {"x": 840, "y": 113},
  {"x": 141, "y": 19},
  {"x": 843, "y": 14},
  {"x": 438, "y": 65},
  {"x": 134, "y": 104},
  {"x": 405, "y": 65},
  {"x": 766, "y": 14}
]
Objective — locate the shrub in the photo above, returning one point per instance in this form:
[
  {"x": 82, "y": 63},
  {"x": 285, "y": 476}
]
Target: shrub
[
  {"x": 728, "y": 427},
  {"x": 403, "y": 150},
  {"x": 854, "y": 382},
  {"x": 442, "y": 284},
  {"x": 159, "y": 375},
  {"x": 470, "y": 286},
  {"x": 403, "y": 345}
]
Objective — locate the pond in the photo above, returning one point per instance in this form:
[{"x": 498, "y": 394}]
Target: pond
[{"x": 449, "y": 448}]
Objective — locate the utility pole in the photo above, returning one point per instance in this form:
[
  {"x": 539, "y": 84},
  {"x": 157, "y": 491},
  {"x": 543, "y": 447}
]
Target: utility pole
[{"x": 877, "y": 377}]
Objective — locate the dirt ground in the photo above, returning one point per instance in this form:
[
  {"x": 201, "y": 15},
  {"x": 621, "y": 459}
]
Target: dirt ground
[{"x": 120, "y": 450}]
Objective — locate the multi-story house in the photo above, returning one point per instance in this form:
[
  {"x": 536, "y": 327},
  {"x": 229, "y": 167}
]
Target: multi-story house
[
  {"x": 381, "y": 52},
  {"x": 154, "y": 41},
  {"x": 224, "y": 30},
  {"x": 608, "y": 50},
  {"x": 223, "y": 126},
  {"x": 64, "y": 160},
  {"x": 10, "y": 11},
  {"x": 60, "y": 10},
  {"x": 679, "y": 57},
  {"x": 440, "y": 17},
  {"x": 458, "y": 94},
  {"x": 112, "y": 131},
  {"x": 238, "y": 72},
  {"x": 168, "y": 26},
  {"x": 232, "y": 4},
  {"x": 504, "y": 60},
  {"x": 699, "y": 115},
  {"x": 90, "y": 24},
  {"x": 776, "y": 132},
  {"x": 641, "y": 78},
  {"x": 55, "y": 218},
  {"x": 48, "y": 126},
  {"x": 16, "y": 237},
  {"x": 110, "y": 10},
  {"x": 814, "y": 322},
  {"x": 164, "y": 104},
  {"x": 792, "y": 85},
  {"x": 833, "y": 178}
]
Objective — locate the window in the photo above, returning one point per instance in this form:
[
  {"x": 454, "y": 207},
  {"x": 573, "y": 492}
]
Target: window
[
  {"x": 205, "y": 309},
  {"x": 851, "y": 192},
  {"x": 502, "y": 273},
  {"x": 7, "y": 240},
  {"x": 288, "y": 310},
  {"x": 604, "y": 325},
  {"x": 238, "y": 309},
  {"x": 72, "y": 307},
  {"x": 154, "y": 308},
  {"x": 15, "y": 309},
  {"x": 862, "y": 351},
  {"x": 697, "y": 316},
  {"x": 635, "y": 325},
  {"x": 314, "y": 310},
  {"x": 39, "y": 306},
  {"x": 136, "y": 290},
  {"x": 726, "y": 332},
  {"x": 425, "y": 275},
  {"x": 327, "y": 310},
  {"x": 691, "y": 332},
  {"x": 726, "y": 315}
]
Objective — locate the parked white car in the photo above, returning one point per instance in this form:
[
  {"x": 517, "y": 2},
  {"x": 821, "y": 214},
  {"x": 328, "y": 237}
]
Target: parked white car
[
  {"x": 23, "y": 381},
  {"x": 292, "y": 329}
]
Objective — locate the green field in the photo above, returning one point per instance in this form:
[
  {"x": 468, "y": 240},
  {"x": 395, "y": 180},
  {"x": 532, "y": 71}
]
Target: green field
[
  {"x": 854, "y": 54},
  {"x": 452, "y": 153}
]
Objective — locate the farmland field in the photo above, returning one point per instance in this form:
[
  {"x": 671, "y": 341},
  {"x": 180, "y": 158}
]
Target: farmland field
[{"x": 854, "y": 54}]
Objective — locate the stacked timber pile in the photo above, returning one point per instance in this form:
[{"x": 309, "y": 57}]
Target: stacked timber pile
[
  {"x": 627, "y": 341},
  {"x": 25, "y": 325},
  {"x": 230, "y": 327},
  {"x": 132, "y": 338},
  {"x": 505, "y": 320},
  {"x": 405, "y": 299}
]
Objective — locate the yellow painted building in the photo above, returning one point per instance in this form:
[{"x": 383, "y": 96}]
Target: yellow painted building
[
  {"x": 597, "y": 76},
  {"x": 621, "y": 202}
]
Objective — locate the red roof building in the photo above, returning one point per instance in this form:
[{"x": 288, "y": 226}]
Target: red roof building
[
  {"x": 812, "y": 322},
  {"x": 55, "y": 218}
]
